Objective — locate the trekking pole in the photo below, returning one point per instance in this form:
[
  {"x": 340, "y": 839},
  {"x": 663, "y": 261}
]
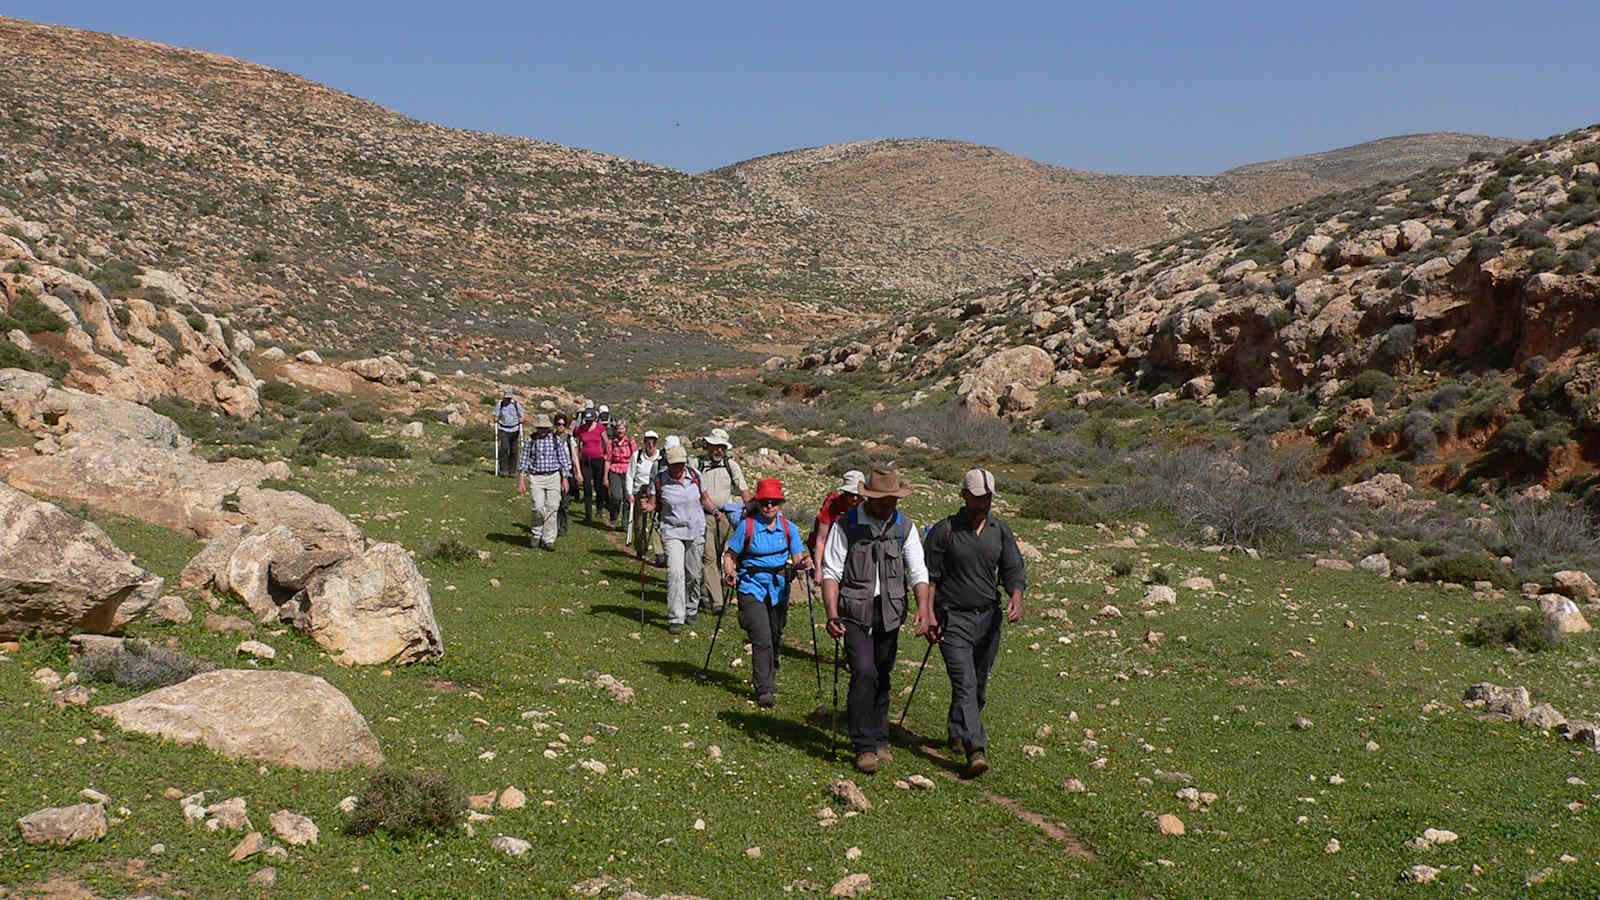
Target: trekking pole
[
  {"x": 641, "y": 592},
  {"x": 706, "y": 669},
  {"x": 815, "y": 653},
  {"x": 834, "y": 721},
  {"x": 494, "y": 446},
  {"x": 925, "y": 654}
]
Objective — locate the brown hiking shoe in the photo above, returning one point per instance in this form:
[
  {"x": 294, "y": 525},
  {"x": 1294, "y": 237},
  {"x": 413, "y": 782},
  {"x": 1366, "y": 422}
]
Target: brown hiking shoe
[
  {"x": 977, "y": 764},
  {"x": 958, "y": 746},
  {"x": 884, "y": 756},
  {"x": 867, "y": 762}
]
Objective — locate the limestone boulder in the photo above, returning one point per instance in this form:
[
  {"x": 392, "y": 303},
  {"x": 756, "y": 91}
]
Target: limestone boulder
[
  {"x": 249, "y": 565},
  {"x": 384, "y": 369},
  {"x": 275, "y": 717},
  {"x": 317, "y": 526},
  {"x": 63, "y": 826},
  {"x": 372, "y": 609},
  {"x": 1576, "y": 584},
  {"x": 60, "y": 574},
  {"x": 1565, "y": 615},
  {"x": 210, "y": 566},
  {"x": 165, "y": 486},
  {"x": 1013, "y": 372}
]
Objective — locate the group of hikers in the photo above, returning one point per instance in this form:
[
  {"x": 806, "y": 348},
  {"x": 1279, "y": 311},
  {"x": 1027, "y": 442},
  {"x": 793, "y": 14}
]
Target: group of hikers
[{"x": 963, "y": 574}]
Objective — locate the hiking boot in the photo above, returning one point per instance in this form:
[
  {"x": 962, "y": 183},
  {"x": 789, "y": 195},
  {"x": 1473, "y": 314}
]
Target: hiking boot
[
  {"x": 765, "y": 701},
  {"x": 675, "y": 628},
  {"x": 977, "y": 764},
  {"x": 660, "y": 561},
  {"x": 884, "y": 756},
  {"x": 867, "y": 762},
  {"x": 691, "y": 619},
  {"x": 958, "y": 746}
]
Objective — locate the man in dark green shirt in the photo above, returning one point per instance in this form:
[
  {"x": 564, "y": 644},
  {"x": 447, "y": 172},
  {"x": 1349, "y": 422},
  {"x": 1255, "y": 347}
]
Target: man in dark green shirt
[{"x": 966, "y": 553}]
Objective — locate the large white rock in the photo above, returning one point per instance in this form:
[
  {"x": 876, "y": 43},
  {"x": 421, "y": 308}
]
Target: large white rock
[
  {"x": 373, "y": 608},
  {"x": 1565, "y": 613},
  {"x": 76, "y": 417},
  {"x": 317, "y": 526},
  {"x": 60, "y": 574},
  {"x": 276, "y": 717},
  {"x": 385, "y": 369},
  {"x": 249, "y": 567},
  {"x": 64, "y": 825}
]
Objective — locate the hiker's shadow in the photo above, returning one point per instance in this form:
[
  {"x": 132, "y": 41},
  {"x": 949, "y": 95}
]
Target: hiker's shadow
[
  {"x": 814, "y": 735},
  {"x": 683, "y": 671},
  {"x": 652, "y": 611},
  {"x": 516, "y": 540}
]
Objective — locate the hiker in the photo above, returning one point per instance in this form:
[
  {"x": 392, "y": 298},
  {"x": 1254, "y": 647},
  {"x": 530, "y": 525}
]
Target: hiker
[
  {"x": 724, "y": 482},
  {"x": 965, "y": 551},
  {"x": 637, "y": 484},
  {"x": 871, "y": 563},
  {"x": 593, "y": 448},
  {"x": 681, "y": 504},
  {"x": 575, "y": 483},
  {"x": 761, "y": 552},
  {"x": 543, "y": 471},
  {"x": 837, "y": 504},
  {"x": 618, "y": 459},
  {"x": 507, "y": 419}
]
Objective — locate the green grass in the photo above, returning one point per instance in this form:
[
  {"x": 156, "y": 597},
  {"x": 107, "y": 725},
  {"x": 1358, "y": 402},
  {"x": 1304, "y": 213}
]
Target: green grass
[{"x": 1213, "y": 698}]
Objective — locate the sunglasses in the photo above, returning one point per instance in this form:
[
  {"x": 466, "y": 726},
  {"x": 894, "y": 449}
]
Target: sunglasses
[{"x": 770, "y": 502}]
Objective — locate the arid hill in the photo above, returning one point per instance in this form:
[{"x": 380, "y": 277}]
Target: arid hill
[{"x": 952, "y": 215}]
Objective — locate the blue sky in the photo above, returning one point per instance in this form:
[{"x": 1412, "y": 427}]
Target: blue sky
[{"x": 1146, "y": 88}]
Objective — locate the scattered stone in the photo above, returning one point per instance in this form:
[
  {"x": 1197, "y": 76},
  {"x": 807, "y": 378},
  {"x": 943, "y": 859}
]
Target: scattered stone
[
  {"x": 920, "y": 782},
  {"x": 216, "y": 624},
  {"x": 266, "y": 877},
  {"x": 1561, "y": 610},
  {"x": 1301, "y": 723},
  {"x": 1577, "y": 585},
  {"x": 511, "y": 798},
  {"x": 1419, "y": 874},
  {"x": 1336, "y": 565},
  {"x": 64, "y": 825},
  {"x": 1543, "y": 717},
  {"x": 77, "y": 695},
  {"x": 257, "y": 650},
  {"x": 846, "y": 790},
  {"x": 1541, "y": 876},
  {"x": 1167, "y": 823},
  {"x": 229, "y": 814},
  {"x": 510, "y": 846},
  {"x": 851, "y": 885},
  {"x": 1032, "y": 750},
  {"x": 1332, "y": 846},
  {"x": 753, "y": 852},
  {"x": 1372, "y": 747},
  {"x": 173, "y": 609},
  {"x": 46, "y": 678},
  {"x": 1511, "y": 702},
  {"x": 94, "y": 796},
  {"x": 157, "y": 849},
  {"x": 294, "y": 830},
  {"x": 1074, "y": 786},
  {"x": 348, "y": 804},
  {"x": 699, "y": 824},
  {"x": 1376, "y": 564},
  {"x": 853, "y": 854},
  {"x": 1438, "y": 836},
  {"x": 250, "y": 846},
  {"x": 480, "y": 802},
  {"x": 595, "y": 766},
  {"x": 1196, "y": 583}
]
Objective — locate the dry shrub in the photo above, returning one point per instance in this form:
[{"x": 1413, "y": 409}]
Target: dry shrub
[
  {"x": 1528, "y": 630},
  {"x": 142, "y": 666},
  {"x": 407, "y": 803}
]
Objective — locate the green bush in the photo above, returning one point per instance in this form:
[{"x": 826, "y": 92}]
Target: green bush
[
  {"x": 14, "y": 357},
  {"x": 1053, "y": 504},
  {"x": 142, "y": 666},
  {"x": 1528, "y": 630},
  {"x": 1121, "y": 568},
  {"x": 338, "y": 435},
  {"x": 34, "y": 317},
  {"x": 282, "y": 393},
  {"x": 196, "y": 322},
  {"x": 1374, "y": 383},
  {"x": 449, "y": 552},
  {"x": 406, "y": 804},
  {"x": 1465, "y": 567}
]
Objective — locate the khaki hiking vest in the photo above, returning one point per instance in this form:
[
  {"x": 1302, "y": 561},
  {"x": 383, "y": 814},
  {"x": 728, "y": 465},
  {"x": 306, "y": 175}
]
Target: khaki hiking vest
[{"x": 869, "y": 558}]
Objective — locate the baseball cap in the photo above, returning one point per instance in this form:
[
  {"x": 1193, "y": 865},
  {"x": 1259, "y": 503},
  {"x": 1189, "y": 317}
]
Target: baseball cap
[
  {"x": 978, "y": 482},
  {"x": 851, "y": 482}
]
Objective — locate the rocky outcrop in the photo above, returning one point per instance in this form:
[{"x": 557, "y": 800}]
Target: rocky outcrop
[
  {"x": 63, "y": 826},
  {"x": 316, "y": 525},
  {"x": 383, "y": 369},
  {"x": 60, "y": 574},
  {"x": 168, "y": 487},
  {"x": 1007, "y": 380},
  {"x": 75, "y": 418},
  {"x": 275, "y": 717}
]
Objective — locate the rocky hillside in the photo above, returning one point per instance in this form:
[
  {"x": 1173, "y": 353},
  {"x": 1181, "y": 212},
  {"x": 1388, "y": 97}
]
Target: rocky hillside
[
  {"x": 1477, "y": 282},
  {"x": 322, "y": 219},
  {"x": 950, "y": 216}
]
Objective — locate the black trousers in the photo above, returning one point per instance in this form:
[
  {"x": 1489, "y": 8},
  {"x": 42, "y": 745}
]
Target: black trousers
[
  {"x": 971, "y": 641},
  {"x": 871, "y": 653},
  {"x": 594, "y": 486},
  {"x": 764, "y": 623},
  {"x": 506, "y": 446}
]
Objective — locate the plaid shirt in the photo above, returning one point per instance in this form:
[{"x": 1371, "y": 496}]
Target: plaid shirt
[{"x": 546, "y": 453}]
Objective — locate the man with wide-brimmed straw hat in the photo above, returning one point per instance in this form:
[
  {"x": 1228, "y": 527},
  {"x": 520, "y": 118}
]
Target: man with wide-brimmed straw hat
[
  {"x": 871, "y": 563},
  {"x": 543, "y": 471},
  {"x": 967, "y": 553},
  {"x": 762, "y": 552},
  {"x": 724, "y": 483}
]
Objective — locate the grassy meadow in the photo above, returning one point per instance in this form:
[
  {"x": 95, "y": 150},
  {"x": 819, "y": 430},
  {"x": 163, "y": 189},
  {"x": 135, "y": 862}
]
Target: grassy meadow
[{"x": 1135, "y": 704}]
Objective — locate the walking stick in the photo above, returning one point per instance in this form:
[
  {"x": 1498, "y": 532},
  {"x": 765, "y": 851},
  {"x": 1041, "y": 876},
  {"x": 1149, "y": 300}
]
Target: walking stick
[
  {"x": 816, "y": 654},
  {"x": 641, "y": 592},
  {"x": 914, "y": 684},
  {"x": 834, "y": 721},
  {"x": 494, "y": 446},
  {"x": 706, "y": 669}
]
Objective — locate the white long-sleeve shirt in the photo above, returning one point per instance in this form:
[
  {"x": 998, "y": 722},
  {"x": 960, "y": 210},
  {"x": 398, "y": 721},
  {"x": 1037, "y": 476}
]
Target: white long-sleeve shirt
[
  {"x": 640, "y": 465},
  {"x": 833, "y": 554}
]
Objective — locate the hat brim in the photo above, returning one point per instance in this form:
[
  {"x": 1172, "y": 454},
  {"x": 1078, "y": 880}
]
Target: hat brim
[{"x": 901, "y": 491}]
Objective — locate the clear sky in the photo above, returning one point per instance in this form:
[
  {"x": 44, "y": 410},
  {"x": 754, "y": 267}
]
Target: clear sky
[{"x": 1147, "y": 88}]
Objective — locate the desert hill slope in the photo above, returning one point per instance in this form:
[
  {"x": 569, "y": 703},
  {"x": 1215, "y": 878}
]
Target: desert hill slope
[
  {"x": 963, "y": 215},
  {"x": 327, "y": 220}
]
